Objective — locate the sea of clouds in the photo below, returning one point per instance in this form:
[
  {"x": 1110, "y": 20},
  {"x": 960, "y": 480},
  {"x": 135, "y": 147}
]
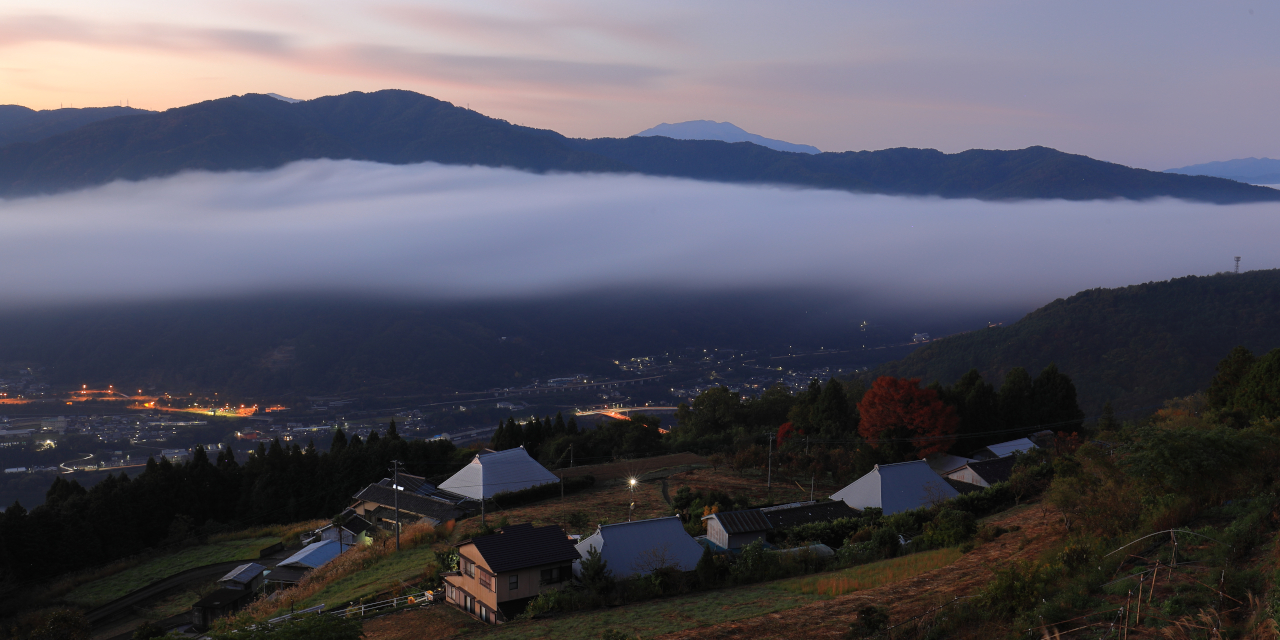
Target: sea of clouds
[{"x": 449, "y": 232}]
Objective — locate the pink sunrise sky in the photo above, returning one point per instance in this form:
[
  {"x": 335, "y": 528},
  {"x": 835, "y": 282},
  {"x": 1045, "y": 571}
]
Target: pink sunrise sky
[{"x": 1148, "y": 84}]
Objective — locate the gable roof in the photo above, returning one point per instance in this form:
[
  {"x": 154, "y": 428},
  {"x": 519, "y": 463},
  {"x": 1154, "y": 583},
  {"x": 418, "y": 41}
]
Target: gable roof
[
  {"x": 413, "y": 503},
  {"x": 993, "y": 470},
  {"x": 494, "y": 472},
  {"x": 641, "y": 546},
  {"x": 791, "y": 515},
  {"x": 313, "y": 555},
  {"x": 896, "y": 487},
  {"x": 244, "y": 573},
  {"x": 524, "y": 545},
  {"x": 945, "y": 462},
  {"x": 1002, "y": 449},
  {"x": 741, "y": 521}
]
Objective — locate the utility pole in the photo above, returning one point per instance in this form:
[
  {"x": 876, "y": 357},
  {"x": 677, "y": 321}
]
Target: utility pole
[
  {"x": 769, "y": 474},
  {"x": 395, "y": 486}
]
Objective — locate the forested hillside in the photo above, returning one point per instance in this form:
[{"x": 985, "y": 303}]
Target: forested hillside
[
  {"x": 260, "y": 132},
  {"x": 77, "y": 528},
  {"x": 1134, "y": 346}
]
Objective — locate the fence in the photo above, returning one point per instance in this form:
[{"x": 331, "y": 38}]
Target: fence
[{"x": 361, "y": 610}]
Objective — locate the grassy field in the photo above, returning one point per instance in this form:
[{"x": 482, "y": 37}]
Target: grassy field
[
  {"x": 105, "y": 590},
  {"x": 870, "y": 576},
  {"x": 385, "y": 575},
  {"x": 657, "y": 617}
]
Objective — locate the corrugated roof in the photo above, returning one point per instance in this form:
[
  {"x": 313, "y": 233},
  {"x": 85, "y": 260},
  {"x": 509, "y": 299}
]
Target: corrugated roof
[
  {"x": 494, "y": 472},
  {"x": 1021, "y": 445},
  {"x": 244, "y": 573},
  {"x": 641, "y": 546},
  {"x": 792, "y": 515},
  {"x": 741, "y": 521},
  {"x": 896, "y": 487},
  {"x": 412, "y": 503},
  {"x": 524, "y": 545},
  {"x": 313, "y": 555}
]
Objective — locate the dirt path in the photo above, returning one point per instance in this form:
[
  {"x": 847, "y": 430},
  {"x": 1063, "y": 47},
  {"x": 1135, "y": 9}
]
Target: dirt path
[{"x": 829, "y": 619}]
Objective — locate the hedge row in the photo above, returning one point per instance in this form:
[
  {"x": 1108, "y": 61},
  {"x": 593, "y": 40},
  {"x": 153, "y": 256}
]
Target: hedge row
[{"x": 512, "y": 499}]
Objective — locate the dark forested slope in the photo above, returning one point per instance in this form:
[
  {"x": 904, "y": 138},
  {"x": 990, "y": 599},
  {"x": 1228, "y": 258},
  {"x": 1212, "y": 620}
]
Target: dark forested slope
[
  {"x": 260, "y": 132},
  {"x": 20, "y": 124},
  {"x": 1135, "y": 346}
]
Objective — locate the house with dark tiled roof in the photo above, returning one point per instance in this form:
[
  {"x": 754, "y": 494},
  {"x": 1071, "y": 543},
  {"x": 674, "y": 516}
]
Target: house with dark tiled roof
[
  {"x": 377, "y": 503},
  {"x": 499, "y": 574},
  {"x": 984, "y": 473},
  {"x": 736, "y": 529}
]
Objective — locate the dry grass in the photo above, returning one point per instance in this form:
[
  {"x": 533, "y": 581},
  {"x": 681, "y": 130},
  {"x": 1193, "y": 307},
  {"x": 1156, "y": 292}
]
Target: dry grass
[
  {"x": 439, "y": 621},
  {"x": 288, "y": 533},
  {"x": 829, "y": 618},
  {"x": 870, "y": 576},
  {"x": 607, "y": 501},
  {"x": 351, "y": 562}
]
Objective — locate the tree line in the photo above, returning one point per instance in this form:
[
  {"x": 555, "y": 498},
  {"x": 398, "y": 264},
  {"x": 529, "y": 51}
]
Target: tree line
[{"x": 170, "y": 503}]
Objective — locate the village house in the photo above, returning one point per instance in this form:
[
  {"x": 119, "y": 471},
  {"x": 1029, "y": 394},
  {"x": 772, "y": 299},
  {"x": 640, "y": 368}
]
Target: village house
[
  {"x": 235, "y": 590},
  {"x": 897, "y": 487},
  {"x": 641, "y": 546},
  {"x": 732, "y": 530},
  {"x": 492, "y": 472},
  {"x": 499, "y": 574},
  {"x": 983, "y": 473}
]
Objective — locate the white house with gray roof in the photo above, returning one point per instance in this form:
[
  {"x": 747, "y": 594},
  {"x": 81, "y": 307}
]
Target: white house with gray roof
[
  {"x": 494, "y": 472},
  {"x": 897, "y": 487},
  {"x": 635, "y": 548}
]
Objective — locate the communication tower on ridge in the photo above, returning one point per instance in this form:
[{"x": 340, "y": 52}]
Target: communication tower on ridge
[{"x": 1237, "y": 264}]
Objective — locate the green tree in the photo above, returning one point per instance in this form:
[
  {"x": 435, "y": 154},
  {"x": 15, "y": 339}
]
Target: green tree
[
  {"x": 1017, "y": 404},
  {"x": 1258, "y": 395},
  {"x": 1054, "y": 397}
]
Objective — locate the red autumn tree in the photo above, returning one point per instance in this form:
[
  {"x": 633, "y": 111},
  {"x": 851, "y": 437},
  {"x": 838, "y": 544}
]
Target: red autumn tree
[
  {"x": 786, "y": 431},
  {"x": 898, "y": 417}
]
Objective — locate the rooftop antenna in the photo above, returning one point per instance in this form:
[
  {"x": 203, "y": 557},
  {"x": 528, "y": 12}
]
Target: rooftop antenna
[{"x": 1237, "y": 264}]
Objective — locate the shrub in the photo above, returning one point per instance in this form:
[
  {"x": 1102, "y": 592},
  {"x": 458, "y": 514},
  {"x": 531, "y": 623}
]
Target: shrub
[
  {"x": 313, "y": 627},
  {"x": 871, "y": 620},
  {"x": 754, "y": 564},
  {"x": 1015, "y": 588},
  {"x": 595, "y": 574},
  {"x": 948, "y": 529}
]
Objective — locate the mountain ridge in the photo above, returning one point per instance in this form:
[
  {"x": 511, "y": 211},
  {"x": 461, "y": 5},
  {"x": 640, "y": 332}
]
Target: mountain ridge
[
  {"x": 724, "y": 132},
  {"x": 1135, "y": 346},
  {"x": 256, "y": 131},
  {"x": 1264, "y": 171}
]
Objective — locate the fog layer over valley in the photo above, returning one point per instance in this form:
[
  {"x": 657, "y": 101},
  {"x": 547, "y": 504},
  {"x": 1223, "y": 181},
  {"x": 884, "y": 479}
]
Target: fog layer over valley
[{"x": 450, "y": 233}]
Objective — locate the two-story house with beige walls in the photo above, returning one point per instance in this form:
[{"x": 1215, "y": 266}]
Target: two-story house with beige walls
[{"x": 499, "y": 574}]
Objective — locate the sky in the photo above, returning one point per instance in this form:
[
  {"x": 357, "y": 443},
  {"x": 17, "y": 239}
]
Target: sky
[
  {"x": 463, "y": 233},
  {"x": 1147, "y": 83}
]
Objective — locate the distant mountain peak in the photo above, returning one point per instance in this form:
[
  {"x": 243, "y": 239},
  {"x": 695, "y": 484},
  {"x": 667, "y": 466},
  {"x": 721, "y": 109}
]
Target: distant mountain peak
[
  {"x": 724, "y": 131},
  {"x": 282, "y": 98},
  {"x": 1250, "y": 170}
]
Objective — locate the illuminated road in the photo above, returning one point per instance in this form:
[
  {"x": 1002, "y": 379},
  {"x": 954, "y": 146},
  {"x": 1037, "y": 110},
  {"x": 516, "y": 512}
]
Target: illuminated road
[{"x": 69, "y": 469}]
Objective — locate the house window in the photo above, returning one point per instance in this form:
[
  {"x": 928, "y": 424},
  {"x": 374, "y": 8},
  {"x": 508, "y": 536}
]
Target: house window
[
  {"x": 486, "y": 580},
  {"x": 468, "y": 568},
  {"x": 469, "y": 604},
  {"x": 513, "y": 582},
  {"x": 554, "y": 575}
]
